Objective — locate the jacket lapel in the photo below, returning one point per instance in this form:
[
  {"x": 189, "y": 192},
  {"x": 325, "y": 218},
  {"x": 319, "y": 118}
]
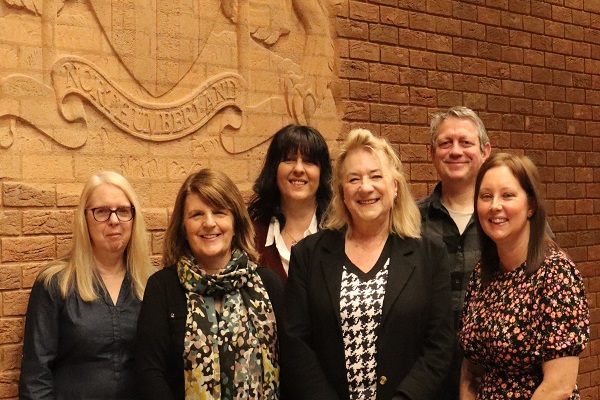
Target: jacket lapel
[
  {"x": 401, "y": 268},
  {"x": 332, "y": 264}
]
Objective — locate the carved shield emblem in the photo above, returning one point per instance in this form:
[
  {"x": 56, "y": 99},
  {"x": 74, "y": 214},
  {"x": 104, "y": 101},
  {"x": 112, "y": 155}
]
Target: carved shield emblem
[{"x": 157, "y": 41}]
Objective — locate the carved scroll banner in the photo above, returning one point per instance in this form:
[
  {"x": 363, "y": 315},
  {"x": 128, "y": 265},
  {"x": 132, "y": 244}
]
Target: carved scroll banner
[
  {"x": 160, "y": 71},
  {"x": 151, "y": 121},
  {"x": 22, "y": 97}
]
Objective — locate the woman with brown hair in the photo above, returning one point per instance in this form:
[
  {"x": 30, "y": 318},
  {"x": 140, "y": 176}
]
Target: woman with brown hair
[
  {"x": 525, "y": 317},
  {"x": 207, "y": 327}
]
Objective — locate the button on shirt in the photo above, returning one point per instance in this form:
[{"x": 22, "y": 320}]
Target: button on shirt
[
  {"x": 463, "y": 249},
  {"x": 75, "y": 349},
  {"x": 274, "y": 236}
]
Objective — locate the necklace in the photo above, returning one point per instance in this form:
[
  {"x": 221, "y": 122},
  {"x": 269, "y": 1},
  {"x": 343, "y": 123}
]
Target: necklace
[{"x": 294, "y": 241}]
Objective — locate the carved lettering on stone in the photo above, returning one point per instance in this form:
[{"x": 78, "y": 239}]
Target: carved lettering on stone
[{"x": 160, "y": 71}]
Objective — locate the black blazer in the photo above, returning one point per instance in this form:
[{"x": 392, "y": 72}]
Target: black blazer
[
  {"x": 161, "y": 330},
  {"x": 415, "y": 339}
]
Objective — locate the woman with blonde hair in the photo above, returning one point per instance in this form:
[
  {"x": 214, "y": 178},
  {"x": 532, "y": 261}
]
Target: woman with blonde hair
[
  {"x": 207, "y": 328},
  {"x": 83, "y": 309},
  {"x": 367, "y": 303}
]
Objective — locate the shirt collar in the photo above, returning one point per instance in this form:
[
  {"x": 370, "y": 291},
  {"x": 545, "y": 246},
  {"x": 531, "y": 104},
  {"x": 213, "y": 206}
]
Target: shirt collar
[{"x": 275, "y": 229}]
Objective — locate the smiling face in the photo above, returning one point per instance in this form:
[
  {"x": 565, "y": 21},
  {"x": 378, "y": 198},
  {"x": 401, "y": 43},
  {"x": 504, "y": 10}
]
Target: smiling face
[
  {"x": 369, "y": 189},
  {"x": 503, "y": 208},
  {"x": 457, "y": 154},
  {"x": 111, "y": 236},
  {"x": 209, "y": 232},
  {"x": 298, "y": 178}
]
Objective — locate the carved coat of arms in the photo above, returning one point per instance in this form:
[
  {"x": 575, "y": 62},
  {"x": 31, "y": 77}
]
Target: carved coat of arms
[{"x": 162, "y": 70}]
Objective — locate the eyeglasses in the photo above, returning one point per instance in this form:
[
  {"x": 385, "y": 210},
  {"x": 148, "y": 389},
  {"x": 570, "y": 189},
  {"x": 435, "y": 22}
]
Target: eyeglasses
[{"x": 102, "y": 214}]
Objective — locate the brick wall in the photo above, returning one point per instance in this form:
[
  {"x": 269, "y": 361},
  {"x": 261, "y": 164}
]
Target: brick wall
[
  {"x": 530, "y": 68},
  {"x": 532, "y": 71}
]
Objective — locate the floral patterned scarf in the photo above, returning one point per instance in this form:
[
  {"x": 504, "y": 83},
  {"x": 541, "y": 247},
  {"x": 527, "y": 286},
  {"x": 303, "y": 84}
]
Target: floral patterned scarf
[{"x": 231, "y": 354}]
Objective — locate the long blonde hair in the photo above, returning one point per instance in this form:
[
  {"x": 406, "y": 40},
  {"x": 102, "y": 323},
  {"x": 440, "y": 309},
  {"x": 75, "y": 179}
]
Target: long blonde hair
[
  {"x": 405, "y": 218},
  {"x": 77, "y": 270}
]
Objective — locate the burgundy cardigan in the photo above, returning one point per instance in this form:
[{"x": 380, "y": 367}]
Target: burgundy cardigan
[{"x": 269, "y": 256}]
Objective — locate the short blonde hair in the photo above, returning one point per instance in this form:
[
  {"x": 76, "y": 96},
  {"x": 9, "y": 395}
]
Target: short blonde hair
[
  {"x": 217, "y": 189},
  {"x": 77, "y": 270},
  {"x": 405, "y": 218}
]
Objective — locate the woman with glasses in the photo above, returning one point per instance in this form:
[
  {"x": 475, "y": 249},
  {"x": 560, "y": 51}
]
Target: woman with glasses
[{"x": 83, "y": 309}]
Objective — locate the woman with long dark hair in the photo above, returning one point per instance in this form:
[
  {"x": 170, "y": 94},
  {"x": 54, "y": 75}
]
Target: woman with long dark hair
[{"x": 290, "y": 195}]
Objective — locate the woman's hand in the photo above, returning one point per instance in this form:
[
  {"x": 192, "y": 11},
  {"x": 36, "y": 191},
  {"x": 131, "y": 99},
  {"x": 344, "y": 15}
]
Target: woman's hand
[
  {"x": 470, "y": 377},
  {"x": 560, "y": 379}
]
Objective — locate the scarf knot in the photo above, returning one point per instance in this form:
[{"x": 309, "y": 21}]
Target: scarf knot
[{"x": 230, "y": 354}]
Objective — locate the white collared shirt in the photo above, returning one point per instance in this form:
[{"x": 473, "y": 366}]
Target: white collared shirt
[{"x": 274, "y": 236}]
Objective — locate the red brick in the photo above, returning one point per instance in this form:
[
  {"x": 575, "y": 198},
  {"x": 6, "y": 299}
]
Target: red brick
[
  {"x": 413, "y": 115},
  {"x": 11, "y": 330},
  {"x": 532, "y": 57},
  {"x": 364, "y": 12},
  {"x": 464, "y": 47},
  {"x": 512, "y": 88},
  {"x": 490, "y": 51},
  {"x": 422, "y": 59},
  {"x": 423, "y": 96},
  {"x": 440, "y": 7},
  {"x": 521, "y": 106},
  {"x": 384, "y": 73},
  {"x": 394, "y": 16},
  {"x": 352, "y": 29},
  {"x": 472, "y": 30},
  {"x": 464, "y": 11},
  {"x": 394, "y": 55},
  {"x": 414, "y": 39},
  {"x": 356, "y": 111},
  {"x": 439, "y": 80},
  {"x": 512, "y": 21},
  {"x": 361, "y": 90},
  {"x": 383, "y": 34},
  {"x": 446, "y": 98},
  {"x": 384, "y": 113},
  {"x": 14, "y": 303},
  {"x": 466, "y": 83},
  {"x": 512, "y": 55},
  {"x": 420, "y": 172},
  {"x": 498, "y": 69},
  {"x": 413, "y": 77},
  {"x": 447, "y": 62},
  {"x": 394, "y": 94},
  {"x": 363, "y": 50},
  {"x": 439, "y": 43},
  {"x": 533, "y": 24},
  {"x": 28, "y": 249},
  {"x": 354, "y": 69},
  {"x": 421, "y": 22},
  {"x": 489, "y": 16},
  {"x": 448, "y": 26}
]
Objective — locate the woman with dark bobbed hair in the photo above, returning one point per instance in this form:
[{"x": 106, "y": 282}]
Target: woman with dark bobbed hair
[{"x": 286, "y": 209}]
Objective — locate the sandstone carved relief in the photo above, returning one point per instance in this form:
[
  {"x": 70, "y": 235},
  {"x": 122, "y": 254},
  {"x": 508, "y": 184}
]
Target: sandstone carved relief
[{"x": 160, "y": 71}]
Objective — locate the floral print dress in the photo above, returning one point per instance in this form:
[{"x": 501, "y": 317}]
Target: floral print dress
[{"x": 517, "y": 322}]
